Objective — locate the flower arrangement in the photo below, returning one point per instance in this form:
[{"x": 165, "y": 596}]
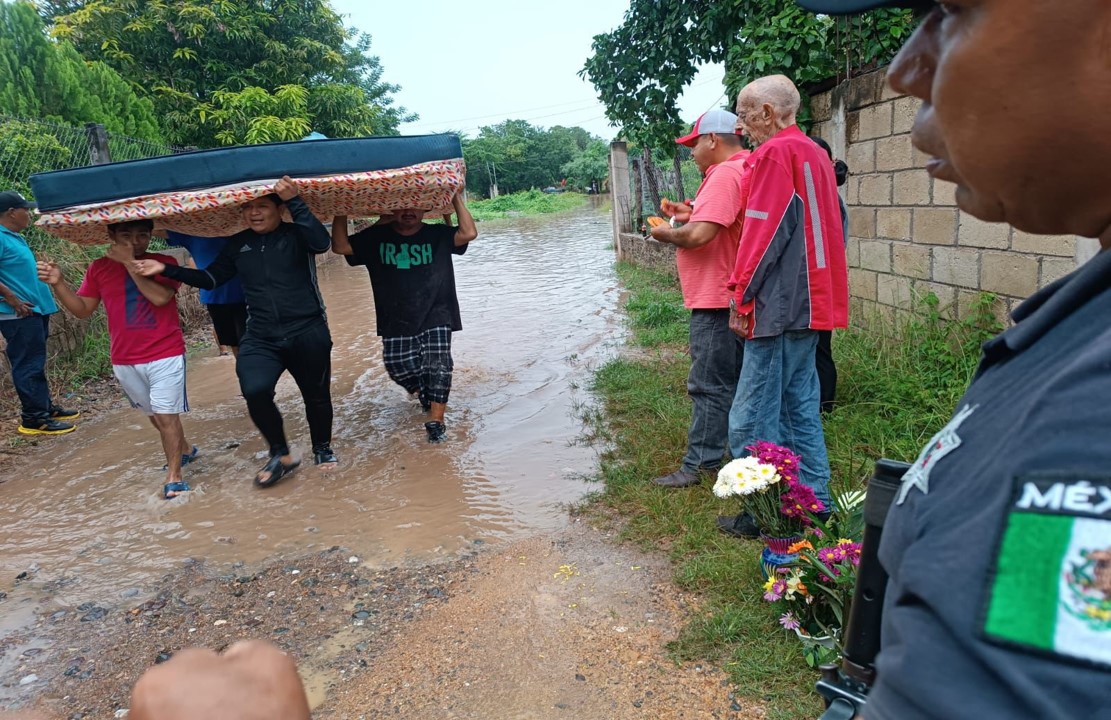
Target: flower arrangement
[
  {"x": 815, "y": 593},
  {"x": 769, "y": 489}
]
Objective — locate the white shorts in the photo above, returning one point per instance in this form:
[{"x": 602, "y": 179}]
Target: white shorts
[{"x": 156, "y": 388}]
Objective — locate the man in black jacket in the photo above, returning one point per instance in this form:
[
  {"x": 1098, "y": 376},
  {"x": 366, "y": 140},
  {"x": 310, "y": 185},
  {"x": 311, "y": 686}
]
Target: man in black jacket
[{"x": 286, "y": 327}]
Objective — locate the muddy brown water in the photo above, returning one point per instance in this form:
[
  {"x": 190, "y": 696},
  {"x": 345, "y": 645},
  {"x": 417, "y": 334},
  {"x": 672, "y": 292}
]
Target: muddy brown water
[{"x": 538, "y": 299}]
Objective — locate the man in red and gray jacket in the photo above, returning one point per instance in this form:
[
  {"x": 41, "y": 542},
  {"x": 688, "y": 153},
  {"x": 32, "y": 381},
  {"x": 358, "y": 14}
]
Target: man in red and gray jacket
[{"x": 790, "y": 281}]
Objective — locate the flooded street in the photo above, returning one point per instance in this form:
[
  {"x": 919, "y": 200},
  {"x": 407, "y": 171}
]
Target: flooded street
[{"x": 538, "y": 299}]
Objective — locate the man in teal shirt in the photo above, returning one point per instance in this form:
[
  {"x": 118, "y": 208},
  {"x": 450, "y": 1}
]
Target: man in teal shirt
[{"x": 26, "y": 305}]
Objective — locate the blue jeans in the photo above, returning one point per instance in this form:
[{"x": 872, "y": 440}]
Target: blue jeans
[
  {"x": 777, "y": 400},
  {"x": 26, "y": 338},
  {"x": 716, "y": 356}
]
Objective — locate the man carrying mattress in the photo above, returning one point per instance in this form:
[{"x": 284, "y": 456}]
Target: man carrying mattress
[
  {"x": 287, "y": 328},
  {"x": 415, "y": 304}
]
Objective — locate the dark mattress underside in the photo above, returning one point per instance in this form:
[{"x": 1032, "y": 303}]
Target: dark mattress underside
[{"x": 226, "y": 166}]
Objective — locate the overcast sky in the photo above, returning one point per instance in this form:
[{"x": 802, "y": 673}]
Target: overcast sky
[{"x": 462, "y": 65}]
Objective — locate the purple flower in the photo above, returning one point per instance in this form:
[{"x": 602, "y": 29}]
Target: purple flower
[
  {"x": 788, "y": 621},
  {"x": 827, "y": 556}
]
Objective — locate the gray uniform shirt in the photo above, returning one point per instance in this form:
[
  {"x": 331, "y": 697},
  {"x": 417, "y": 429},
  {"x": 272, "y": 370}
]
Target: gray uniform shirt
[{"x": 999, "y": 543}]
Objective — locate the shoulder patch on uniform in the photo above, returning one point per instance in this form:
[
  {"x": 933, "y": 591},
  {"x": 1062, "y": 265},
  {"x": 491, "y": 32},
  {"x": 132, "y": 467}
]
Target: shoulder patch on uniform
[
  {"x": 940, "y": 445},
  {"x": 1050, "y": 587}
]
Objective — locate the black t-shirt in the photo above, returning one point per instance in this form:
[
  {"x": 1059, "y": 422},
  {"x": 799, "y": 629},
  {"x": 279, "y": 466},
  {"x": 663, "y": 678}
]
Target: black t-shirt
[{"x": 412, "y": 276}]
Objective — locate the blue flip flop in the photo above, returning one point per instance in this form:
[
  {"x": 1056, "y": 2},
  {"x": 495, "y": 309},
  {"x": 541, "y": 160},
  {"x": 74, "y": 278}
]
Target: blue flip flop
[
  {"x": 185, "y": 459},
  {"x": 174, "y": 489}
]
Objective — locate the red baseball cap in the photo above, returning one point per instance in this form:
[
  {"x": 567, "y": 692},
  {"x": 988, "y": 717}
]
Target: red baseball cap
[{"x": 721, "y": 122}]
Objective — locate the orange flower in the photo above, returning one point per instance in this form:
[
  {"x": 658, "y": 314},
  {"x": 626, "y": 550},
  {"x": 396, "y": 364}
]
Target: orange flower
[{"x": 800, "y": 545}]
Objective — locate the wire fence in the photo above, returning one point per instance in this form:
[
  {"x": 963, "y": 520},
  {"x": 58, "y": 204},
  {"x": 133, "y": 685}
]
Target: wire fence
[{"x": 32, "y": 146}]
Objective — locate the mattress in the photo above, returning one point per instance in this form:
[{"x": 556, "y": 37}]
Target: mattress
[{"x": 200, "y": 193}]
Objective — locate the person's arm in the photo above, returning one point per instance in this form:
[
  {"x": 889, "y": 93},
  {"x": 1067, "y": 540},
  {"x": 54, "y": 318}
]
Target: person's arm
[
  {"x": 218, "y": 272},
  {"x": 22, "y": 309},
  {"x": 341, "y": 243},
  {"x": 80, "y": 306},
  {"x": 157, "y": 293},
  {"x": 467, "y": 230},
  {"x": 308, "y": 228},
  {"x": 691, "y": 235}
]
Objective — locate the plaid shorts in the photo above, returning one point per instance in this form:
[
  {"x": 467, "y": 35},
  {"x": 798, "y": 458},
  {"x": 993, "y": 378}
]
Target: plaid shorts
[{"x": 421, "y": 363}]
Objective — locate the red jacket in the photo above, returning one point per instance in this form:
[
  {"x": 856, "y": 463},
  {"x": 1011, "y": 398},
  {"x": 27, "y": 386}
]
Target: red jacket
[{"x": 791, "y": 272}]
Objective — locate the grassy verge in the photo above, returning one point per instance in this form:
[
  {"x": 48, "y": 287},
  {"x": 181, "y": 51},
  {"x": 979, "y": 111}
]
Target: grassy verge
[
  {"x": 531, "y": 202},
  {"x": 899, "y": 380}
]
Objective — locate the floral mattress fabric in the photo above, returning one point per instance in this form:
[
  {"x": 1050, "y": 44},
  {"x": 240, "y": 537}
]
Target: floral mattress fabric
[{"x": 214, "y": 212}]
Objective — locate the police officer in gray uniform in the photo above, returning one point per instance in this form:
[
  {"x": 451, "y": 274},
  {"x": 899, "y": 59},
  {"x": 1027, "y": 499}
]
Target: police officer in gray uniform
[{"x": 998, "y": 545}]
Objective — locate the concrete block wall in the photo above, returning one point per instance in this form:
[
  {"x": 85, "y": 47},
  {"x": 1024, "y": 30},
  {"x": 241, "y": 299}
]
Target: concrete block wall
[{"x": 907, "y": 237}]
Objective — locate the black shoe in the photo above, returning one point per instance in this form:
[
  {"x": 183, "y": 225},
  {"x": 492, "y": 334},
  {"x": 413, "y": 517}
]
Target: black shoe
[
  {"x": 741, "y": 526},
  {"x": 57, "y": 413},
  {"x": 45, "y": 427},
  {"x": 425, "y": 403},
  {"x": 323, "y": 453},
  {"x": 437, "y": 431},
  {"x": 681, "y": 478}
]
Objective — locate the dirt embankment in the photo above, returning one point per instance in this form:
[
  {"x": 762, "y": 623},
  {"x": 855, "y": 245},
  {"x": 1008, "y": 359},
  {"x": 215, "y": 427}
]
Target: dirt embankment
[{"x": 567, "y": 625}]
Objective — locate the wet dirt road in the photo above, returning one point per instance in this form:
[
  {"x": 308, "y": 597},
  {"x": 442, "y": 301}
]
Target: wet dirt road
[{"x": 538, "y": 299}]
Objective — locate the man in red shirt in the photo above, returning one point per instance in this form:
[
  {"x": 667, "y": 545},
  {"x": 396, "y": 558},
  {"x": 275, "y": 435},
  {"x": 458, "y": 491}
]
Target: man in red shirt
[
  {"x": 706, "y": 249},
  {"x": 147, "y": 347},
  {"x": 789, "y": 282}
]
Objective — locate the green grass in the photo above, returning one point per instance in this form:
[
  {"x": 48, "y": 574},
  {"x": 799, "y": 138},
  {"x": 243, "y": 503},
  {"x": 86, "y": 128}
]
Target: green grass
[
  {"x": 899, "y": 381},
  {"x": 528, "y": 203}
]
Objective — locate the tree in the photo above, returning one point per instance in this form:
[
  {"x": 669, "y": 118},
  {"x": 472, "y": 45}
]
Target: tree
[
  {"x": 232, "y": 71},
  {"x": 48, "y": 80},
  {"x": 591, "y": 168},
  {"x": 641, "y": 68},
  {"x": 520, "y": 156}
]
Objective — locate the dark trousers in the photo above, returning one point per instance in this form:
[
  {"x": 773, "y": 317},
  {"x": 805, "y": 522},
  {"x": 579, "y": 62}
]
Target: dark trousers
[
  {"x": 308, "y": 358},
  {"x": 26, "y": 339},
  {"x": 717, "y": 354},
  {"x": 827, "y": 371}
]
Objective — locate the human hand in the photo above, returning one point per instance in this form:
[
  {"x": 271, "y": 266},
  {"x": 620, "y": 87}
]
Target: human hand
[
  {"x": 49, "y": 272},
  {"x": 739, "y": 323},
  {"x": 251, "y": 680},
  {"x": 679, "y": 212},
  {"x": 122, "y": 253},
  {"x": 148, "y": 268},
  {"x": 287, "y": 189},
  {"x": 662, "y": 232}
]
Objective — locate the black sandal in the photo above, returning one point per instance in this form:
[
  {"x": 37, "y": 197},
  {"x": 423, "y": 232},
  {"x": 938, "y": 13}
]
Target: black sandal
[
  {"x": 323, "y": 454},
  {"x": 277, "y": 470}
]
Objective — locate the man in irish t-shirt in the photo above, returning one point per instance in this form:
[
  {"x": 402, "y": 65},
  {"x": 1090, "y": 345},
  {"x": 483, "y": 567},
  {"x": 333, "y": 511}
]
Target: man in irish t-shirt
[
  {"x": 415, "y": 303},
  {"x": 147, "y": 347}
]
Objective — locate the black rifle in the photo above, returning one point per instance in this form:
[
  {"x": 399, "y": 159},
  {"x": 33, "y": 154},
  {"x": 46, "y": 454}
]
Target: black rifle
[{"x": 845, "y": 688}]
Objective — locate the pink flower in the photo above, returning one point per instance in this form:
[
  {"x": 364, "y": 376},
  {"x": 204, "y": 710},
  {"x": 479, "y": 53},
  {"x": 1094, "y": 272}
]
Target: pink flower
[{"x": 789, "y": 621}]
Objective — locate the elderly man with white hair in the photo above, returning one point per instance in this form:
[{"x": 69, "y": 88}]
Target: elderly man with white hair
[{"x": 790, "y": 281}]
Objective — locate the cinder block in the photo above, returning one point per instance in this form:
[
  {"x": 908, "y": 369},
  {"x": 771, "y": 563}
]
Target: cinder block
[
  {"x": 862, "y": 221},
  {"x": 894, "y": 153},
  {"x": 956, "y": 266},
  {"x": 1061, "y": 245},
  {"x": 875, "y": 189},
  {"x": 875, "y": 255},
  {"x": 862, "y": 284},
  {"x": 911, "y": 187},
  {"x": 935, "y": 226},
  {"x": 905, "y": 109},
  {"x": 893, "y": 223},
  {"x": 1054, "y": 268},
  {"x": 893, "y": 290},
  {"x": 871, "y": 122},
  {"x": 1009, "y": 273},
  {"x": 910, "y": 260},
  {"x": 861, "y": 157},
  {"x": 977, "y": 233}
]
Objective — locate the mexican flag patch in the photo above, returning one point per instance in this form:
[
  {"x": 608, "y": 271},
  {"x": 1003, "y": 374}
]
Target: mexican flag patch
[{"x": 1051, "y": 588}]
